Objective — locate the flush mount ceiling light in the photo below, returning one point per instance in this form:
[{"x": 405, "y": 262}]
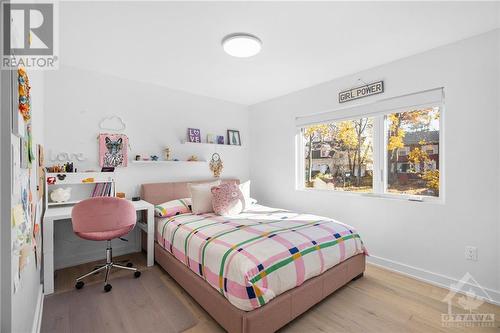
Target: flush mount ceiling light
[{"x": 241, "y": 45}]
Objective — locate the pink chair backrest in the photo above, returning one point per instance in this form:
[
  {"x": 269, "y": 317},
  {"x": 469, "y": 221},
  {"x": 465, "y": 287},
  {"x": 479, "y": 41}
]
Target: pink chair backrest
[{"x": 102, "y": 214}]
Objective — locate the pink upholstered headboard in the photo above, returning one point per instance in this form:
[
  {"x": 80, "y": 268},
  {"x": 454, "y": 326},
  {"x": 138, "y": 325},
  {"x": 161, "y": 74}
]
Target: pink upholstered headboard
[{"x": 157, "y": 193}]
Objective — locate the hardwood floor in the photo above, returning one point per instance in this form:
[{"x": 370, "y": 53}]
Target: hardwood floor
[
  {"x": 144, "y": 304},
  {"x": 381, "y": 301}
]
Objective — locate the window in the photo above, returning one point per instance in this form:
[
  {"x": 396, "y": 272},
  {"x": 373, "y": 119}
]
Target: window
[
  {"x": 375, "y": 151},
  {"x": 413, "y": 130},
  {"x": 402, "y": 167},
  {"x": 404, "y": 151},
  {"x": 348, "y": 166}
]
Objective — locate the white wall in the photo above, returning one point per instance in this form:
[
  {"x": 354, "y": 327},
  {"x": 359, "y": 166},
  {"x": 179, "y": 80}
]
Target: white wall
[
  {"x": 498, "y": 149},
  {"x": 26, "y": 299},
  {"x": 423, "y": 239},
  {"x": 155, "y": 117}
]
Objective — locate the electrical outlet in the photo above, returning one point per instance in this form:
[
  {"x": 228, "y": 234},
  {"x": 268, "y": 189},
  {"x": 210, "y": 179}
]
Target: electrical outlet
[{"x": 471, "y": 253}]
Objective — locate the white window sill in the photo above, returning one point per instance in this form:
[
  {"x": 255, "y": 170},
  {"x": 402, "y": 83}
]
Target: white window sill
[{"x": 389, "y": 196}]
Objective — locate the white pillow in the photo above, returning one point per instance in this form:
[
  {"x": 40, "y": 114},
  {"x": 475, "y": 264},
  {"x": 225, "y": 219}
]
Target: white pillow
[
  {"x": 245, "y": 189},
  {"x": 201, "y": 197}
]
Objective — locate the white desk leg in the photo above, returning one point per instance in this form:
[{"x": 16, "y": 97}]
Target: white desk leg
[
  {"x": 151, "y": 236},
  {"x": 48, "y": 255},
  {"x": 138, "y": 237}
]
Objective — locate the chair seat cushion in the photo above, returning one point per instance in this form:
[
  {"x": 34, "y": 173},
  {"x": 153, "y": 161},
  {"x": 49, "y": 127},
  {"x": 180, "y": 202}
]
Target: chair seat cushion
[{"x": 105, "y": 235}]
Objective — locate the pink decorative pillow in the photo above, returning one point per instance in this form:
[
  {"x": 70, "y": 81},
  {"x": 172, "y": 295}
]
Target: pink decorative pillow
[{"x": 227, "y": 199}]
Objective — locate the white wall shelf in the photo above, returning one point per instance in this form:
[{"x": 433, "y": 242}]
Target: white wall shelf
[
  {"x": 82, "y": 185},
  {"x": 73, "y": 178},
  {"x": 72, "y": 202},
  {"x": 201, "y": 144},
  {"x": 167, "y": 162}
]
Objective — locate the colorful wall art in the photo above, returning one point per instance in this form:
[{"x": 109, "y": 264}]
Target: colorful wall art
[
  {"x": 194, "y": 135},
  {"x": 113, "y": 150}
]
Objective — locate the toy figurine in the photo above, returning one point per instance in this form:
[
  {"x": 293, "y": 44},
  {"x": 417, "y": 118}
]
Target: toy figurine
[{"x": 166, "y": 154}]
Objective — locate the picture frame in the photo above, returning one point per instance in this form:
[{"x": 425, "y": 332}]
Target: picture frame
[
  {"x": 194, "y": 135},
  {"x": 220, "y": 139},
  {"x": 233, "y": 138},
  {"x": 211, "y": 138},
  {"x": 113, "y": 150}
]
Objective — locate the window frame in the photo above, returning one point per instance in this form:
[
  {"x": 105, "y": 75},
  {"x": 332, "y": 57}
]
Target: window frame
[{"x": 380, "y": 163}]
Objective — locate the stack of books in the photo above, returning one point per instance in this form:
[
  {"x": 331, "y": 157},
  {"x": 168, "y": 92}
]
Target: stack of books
[{"x": 102, "y": 190}]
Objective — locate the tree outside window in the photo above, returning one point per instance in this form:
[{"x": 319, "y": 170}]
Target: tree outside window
[
  {"x": 339, "y": 155},
  {"x": 417, "y": 133}
]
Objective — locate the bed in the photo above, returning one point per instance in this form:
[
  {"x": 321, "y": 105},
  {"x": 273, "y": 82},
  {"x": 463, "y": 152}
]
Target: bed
[{"x": 256, "y": 271}]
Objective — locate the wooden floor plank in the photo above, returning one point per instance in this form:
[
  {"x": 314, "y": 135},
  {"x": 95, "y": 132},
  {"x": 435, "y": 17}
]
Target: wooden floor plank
[
  {"x": 381, "y": 301},
  {"x": 144, "y": 304}
]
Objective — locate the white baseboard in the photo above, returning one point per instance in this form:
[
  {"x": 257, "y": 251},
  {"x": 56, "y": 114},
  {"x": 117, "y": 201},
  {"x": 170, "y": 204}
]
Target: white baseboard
[
  {"x": 37, "y": 320},
  {"x": 432, "y": 278}
]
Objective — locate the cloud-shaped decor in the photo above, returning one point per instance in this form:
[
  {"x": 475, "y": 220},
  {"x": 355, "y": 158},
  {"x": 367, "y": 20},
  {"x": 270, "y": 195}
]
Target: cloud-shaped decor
[{"x": 112, "y": 123}]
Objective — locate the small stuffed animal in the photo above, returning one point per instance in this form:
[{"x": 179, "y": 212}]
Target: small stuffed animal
[{"x": 61, "y": 194}]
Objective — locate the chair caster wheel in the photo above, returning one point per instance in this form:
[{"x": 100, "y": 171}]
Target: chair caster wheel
[
  {"x": 129, "y": 264},
  {"x": 79, "y": 285},
  {"x": 107, "y": 287},
  {"x": 137, "y": 274}
]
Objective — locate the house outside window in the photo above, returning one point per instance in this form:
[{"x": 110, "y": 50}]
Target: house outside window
[
  {"x": 378, "y": 152},
  {"x": 415, "y": 132},
  {"x": 349, "y": 158}
]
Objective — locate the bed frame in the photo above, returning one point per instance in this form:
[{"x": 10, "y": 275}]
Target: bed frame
[{"x": 268, "y": 318}]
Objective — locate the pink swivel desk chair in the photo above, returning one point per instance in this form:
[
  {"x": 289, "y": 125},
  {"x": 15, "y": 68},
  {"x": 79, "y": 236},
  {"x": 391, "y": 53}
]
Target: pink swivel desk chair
[{"x": 103, "y": 218}]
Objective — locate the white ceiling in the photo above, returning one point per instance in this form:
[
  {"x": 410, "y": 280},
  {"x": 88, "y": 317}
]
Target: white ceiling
[{"x": 177, "y": 45}]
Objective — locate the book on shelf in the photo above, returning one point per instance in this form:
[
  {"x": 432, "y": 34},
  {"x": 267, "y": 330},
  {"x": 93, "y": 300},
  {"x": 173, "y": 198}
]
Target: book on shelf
[{"x": 102, "y": 190}]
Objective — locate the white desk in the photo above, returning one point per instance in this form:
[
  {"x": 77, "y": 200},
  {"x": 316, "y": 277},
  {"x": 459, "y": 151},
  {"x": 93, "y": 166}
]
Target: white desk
[{"x": 53, "y": 214}]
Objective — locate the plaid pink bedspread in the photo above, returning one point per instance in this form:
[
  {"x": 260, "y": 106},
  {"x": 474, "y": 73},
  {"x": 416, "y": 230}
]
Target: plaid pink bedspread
[{"x": 252, "y": 257}]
